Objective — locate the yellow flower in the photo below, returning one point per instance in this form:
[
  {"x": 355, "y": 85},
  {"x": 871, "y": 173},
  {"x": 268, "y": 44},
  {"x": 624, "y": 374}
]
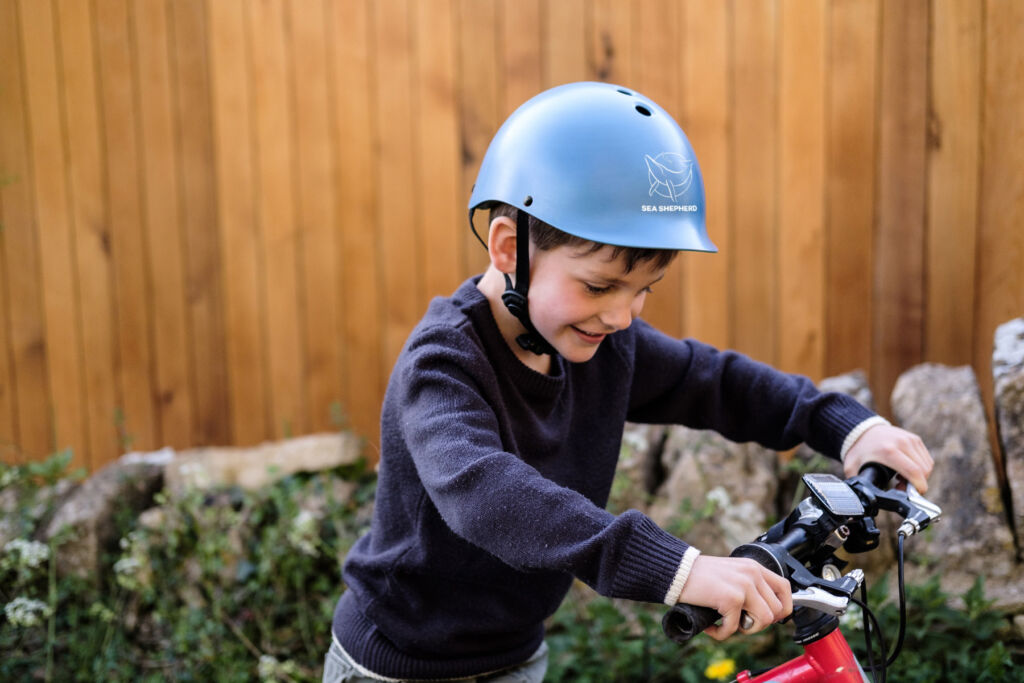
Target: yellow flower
[{"x": 720, "y": 669}]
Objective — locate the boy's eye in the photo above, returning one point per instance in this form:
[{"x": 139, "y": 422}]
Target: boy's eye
[{"x": 595, "y": 289}]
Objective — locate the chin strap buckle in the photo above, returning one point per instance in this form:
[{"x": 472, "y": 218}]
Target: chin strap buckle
[{"x": 514, "y": 297}]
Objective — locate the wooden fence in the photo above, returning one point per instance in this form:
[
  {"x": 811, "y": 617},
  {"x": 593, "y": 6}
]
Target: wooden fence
[{"x": 220, "y": 218}]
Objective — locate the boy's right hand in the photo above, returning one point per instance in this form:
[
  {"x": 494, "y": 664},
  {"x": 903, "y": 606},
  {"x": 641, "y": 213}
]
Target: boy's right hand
[{"x": 733, "y": 585}]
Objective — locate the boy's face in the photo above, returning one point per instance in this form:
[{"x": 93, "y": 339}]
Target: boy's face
[{"x": 577, "y": 297}]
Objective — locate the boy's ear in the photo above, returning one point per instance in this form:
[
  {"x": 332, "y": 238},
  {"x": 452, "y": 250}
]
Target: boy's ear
[{"x": 501, "y": 244}]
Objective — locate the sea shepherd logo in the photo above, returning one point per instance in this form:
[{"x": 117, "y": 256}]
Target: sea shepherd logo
[{"x": 670, "y": 176}]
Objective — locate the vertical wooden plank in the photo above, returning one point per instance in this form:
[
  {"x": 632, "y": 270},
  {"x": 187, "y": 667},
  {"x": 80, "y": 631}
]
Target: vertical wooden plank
[
  {"x": 754, "y": 260},
  {"x": 440, "y": 197},
  {"x": 139, "y": 427},
  {"x": 92, "y": 237},
  {"x": 802, "y": 165},
  {"x": 240, "y": 238},
  {"x": 363, "y": 364},
  {"x": 899, "y": 256},
  {"x": 399, "y": 234},
  {"x": 564, "y": 42},
  {"x": 956, "y": 79},
  {"x": 657, "y": 69},
  {"x": 479, "y": 106},
  {"x": 276, "y": 213},
  {"x": 610, "y": 46},
  {"x": 317, "y": 223},
  {"x": 852, "y": 105},
  {"x": 198, "y": 187},
  {"x": 56, "y": 245},
  {"x": 8, "y": 420},
  {"x": 163, "y": 216},
  {"x": 706, "y": 120},
  {"x": 999, "y": 289},
  {"x": 521, "y": 53},
  {"x": 19, "y": 248}
]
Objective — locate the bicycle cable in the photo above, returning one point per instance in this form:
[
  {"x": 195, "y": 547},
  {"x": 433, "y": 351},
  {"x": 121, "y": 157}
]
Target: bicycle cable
[
  {"x": 900, "y": 537},
  {"x": 877, "y": 671},
  {"x": 881, "y": 668}
]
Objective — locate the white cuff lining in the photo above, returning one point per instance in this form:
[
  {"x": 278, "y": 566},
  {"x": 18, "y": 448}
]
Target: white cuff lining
[
  {"x": 857, "y": 432},
  {"x": 689, "y": 557}
]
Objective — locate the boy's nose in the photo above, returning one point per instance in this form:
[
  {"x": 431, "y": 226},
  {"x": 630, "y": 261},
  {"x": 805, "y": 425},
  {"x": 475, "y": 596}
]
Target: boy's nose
[{"x": 618, "y": 317}]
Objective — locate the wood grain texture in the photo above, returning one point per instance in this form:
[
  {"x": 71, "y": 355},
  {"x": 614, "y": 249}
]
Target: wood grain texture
[
  {"x": 898, "y": 299},
  {"x": 707, "y": 122},
  {"x": 56, "y": 245},
  {"x": 31, "y": 436},
  {"x": 235, "y": 165},
  {"x": 802, "y": 163},
  {"x": 219, "y": 219},
  {"x": 754, "y": 260},
  {"x": 850, "y": 192},
  {"x": 94, "y": 262}
]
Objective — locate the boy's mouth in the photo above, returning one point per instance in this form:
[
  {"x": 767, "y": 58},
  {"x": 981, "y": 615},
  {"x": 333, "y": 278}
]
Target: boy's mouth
[{"x": 587, "y": 336}]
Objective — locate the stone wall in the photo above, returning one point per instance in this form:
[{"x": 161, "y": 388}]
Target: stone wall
[{"x": 714, "y": 493}]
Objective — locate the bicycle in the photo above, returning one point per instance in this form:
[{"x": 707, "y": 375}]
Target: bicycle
[{"x": 836, "y": 514}]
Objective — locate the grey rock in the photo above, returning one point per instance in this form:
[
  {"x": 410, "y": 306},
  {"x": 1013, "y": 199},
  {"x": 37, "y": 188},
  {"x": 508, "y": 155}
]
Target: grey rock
[
  {"x": 1008, "y": 385},
  {"x": 262, "y": 465},
  {"x": 719, "y": 494},
  {"x": 89, "y": 513},
  {"x": 639, "y": 471},
  {"x": 854, "y": 384},
  {"x": 943, "y": 406}
]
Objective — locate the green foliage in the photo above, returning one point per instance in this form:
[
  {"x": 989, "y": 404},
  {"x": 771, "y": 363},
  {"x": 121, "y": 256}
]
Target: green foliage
[
  {"x": 230, "y": 585},
  {"x": 223, "y": 585},
  {"x": 944, "y": 644}
]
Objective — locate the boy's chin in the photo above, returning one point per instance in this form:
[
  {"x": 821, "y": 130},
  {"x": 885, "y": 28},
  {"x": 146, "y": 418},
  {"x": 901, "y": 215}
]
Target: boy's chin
[{"x": 577, "y": 354}]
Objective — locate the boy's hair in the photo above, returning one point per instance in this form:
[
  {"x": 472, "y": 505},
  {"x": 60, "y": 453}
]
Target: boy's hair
[{"x": 547, "y": 237}]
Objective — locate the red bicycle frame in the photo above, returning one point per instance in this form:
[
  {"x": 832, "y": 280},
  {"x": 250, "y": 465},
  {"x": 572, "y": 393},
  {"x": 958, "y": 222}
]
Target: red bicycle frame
[{"x": 827, "y": 659}]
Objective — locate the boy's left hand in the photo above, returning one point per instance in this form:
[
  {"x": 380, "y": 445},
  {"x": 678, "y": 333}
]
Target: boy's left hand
[{"x": 895, "y": 448}]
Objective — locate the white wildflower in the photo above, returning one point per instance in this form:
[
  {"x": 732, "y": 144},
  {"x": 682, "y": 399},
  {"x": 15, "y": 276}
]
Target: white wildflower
[
  {"x": 26, "y": 612},
  {"x": 26, "y": 554},
  {"x": 272, "y": 670},
  {"x": 853, "y": 618},
  {"x": 720, "y": 497},
  {"x": 303, "y": 533},
  {"x": 132, "y": 569},
  {"x": 8, "y": 475},
  {"x": 634, "y": 441}
]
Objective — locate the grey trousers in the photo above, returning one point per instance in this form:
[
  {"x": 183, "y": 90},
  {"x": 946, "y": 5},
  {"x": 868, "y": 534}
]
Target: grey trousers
[{"x": 339, "y": 668}]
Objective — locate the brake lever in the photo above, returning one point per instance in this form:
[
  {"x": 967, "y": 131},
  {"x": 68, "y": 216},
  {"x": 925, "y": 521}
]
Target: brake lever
[
  {"x": 821, "y": 601},
  {"x": 924, "y": 513}
]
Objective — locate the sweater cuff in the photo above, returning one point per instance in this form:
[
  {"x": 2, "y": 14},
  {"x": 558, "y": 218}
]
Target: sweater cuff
[
  {"x": 838, "y": 416},
  {"x": 683, "y": 573},
  {"x": 857, "y": 432},
  {"x": 648, "y": 563}
]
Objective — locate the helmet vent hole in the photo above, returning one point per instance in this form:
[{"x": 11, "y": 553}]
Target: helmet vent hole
[
  {"x": 624, "y": 91},
  {"x": 528, "y": 201},
  {"x": 643, "y": 110}
]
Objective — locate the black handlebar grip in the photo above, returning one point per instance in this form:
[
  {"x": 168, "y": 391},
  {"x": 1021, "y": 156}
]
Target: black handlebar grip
[
  {"x": 683, "y": 622},
  {"x": 879, "y": 475}
]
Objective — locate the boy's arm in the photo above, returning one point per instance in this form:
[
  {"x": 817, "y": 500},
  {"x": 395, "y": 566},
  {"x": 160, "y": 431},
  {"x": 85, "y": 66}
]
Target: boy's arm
[
  {"x": 493, "y": 499},
  {"x": 691, "y": 383}
]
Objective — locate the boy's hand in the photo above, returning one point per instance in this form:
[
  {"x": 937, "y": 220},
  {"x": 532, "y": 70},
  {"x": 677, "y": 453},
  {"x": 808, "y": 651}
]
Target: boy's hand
[
  {"x": 895, "y": 448},
  {"x": 733, "y": 585}
]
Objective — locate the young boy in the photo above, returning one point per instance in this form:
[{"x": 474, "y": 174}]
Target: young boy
[{"x": 502, "y": 422}]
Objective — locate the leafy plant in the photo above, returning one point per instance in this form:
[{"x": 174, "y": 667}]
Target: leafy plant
[
  {"x": 239, "y": 585},
  {"x": 948, "y": 644}
]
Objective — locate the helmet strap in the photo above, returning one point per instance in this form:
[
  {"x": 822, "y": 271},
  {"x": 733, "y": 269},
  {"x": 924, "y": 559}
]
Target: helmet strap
[{"x": 515, "y": 297}]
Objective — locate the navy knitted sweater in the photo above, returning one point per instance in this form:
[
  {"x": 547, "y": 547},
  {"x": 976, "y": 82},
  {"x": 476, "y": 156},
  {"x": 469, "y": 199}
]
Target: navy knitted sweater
[{"x": 493, "y": 480}]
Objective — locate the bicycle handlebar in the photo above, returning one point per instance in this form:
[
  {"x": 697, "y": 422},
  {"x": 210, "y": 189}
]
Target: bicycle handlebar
[{"x": 819, "y": 525}]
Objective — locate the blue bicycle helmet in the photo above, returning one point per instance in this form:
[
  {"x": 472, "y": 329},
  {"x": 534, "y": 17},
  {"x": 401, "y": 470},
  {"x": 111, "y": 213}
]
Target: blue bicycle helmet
[{"x": 597, "y": 161}]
